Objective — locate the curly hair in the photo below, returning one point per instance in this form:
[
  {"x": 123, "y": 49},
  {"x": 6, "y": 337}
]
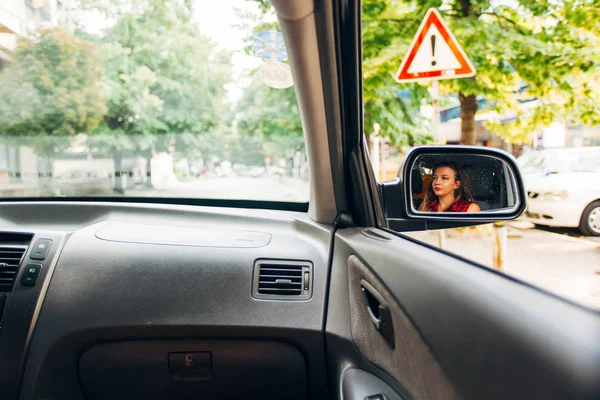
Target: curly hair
[{"x": 463, "y": 192}]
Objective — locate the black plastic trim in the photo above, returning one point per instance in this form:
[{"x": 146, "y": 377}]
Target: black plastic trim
[
  {"x": 361, "y": 187},
  {"x": 349, "y": 55},
  {"x": 409, "y": 225},
  {"x": 327, "y": 28},
  {"x": 252, "y": 204},
  {"x": 20, "y": 316},
  {"x": 302, "y": 266}
]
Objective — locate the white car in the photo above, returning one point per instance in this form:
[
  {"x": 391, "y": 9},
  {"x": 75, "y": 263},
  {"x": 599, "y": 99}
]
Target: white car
[
  {"x": 563, "y": 188},
  {"x": 570, "y": 199}
]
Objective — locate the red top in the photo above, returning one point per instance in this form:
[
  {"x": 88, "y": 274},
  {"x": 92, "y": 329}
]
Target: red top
[{"x": 457, "y": 206}]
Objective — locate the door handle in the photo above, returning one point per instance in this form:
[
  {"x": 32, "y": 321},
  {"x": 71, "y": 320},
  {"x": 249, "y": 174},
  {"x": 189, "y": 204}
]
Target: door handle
[{"x": 379, "y": 312}]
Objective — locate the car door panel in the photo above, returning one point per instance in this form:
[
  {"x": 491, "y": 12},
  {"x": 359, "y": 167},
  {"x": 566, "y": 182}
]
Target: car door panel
[
  {"x": 409, "y": 361},
  {"x": 493, "y": 336}
]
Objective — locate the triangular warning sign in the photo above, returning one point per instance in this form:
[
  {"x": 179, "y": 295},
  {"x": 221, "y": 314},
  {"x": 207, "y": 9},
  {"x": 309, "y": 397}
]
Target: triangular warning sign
[{"x": 434, "y": 54}]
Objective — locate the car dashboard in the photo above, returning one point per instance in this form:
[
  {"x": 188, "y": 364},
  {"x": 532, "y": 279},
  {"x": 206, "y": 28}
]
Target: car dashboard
[{"x": 115, "y": 300}]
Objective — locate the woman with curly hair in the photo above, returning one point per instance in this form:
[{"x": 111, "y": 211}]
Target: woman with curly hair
[{"x": 449, "y": 191}]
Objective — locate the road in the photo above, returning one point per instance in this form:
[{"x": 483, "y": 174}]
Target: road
[
  {"x": 572, "y": 232},
  {"x": 269, "y": 188},
  {"x": 550, "y": 259}
]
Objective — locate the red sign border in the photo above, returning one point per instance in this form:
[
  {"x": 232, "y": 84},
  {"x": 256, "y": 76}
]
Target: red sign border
[{"x": 466, "y": 69}]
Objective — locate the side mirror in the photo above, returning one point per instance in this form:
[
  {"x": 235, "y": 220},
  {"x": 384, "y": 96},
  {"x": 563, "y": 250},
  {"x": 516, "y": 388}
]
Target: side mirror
[{"x": 450, "y": 186}]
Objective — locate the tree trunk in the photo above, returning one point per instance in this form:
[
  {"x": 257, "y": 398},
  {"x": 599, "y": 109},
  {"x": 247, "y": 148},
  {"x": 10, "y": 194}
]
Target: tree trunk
[
  {"x": 45, "y": 178},
  {"x": 149, "y": 169},
  {"x": 117, "y": 159},
  {"x": 468, "y": 109},
  {"x": 16, "y": 157}
]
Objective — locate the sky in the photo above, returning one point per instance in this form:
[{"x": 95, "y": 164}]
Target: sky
[{"x": 216, "y": 19}]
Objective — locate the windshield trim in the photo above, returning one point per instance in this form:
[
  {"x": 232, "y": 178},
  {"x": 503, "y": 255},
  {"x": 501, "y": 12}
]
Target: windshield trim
[{"x": 227, "y": 203}]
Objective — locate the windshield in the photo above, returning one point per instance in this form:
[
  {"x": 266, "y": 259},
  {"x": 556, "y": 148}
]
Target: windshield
[
  {"x": 587, "y": 161},
  {"x": 554, "y": 162},
  {"x": 147, "y": 98},
  {"x": 531, "y": 164}
]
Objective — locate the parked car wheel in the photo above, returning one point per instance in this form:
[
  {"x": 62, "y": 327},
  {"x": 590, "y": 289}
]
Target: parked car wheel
[{"x": 590, "y": 220}]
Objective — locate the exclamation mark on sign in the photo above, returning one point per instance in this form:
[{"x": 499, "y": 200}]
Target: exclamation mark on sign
[{"x": 433, "y": 49}]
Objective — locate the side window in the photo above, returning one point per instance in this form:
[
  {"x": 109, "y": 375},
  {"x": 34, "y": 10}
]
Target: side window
[
  {"x": 590, "y": 161},
  {"x": 482, "y": 76}
]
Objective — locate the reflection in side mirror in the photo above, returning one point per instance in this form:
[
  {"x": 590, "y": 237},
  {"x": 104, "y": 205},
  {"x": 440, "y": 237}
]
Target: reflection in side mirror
[
  {"x": 446, "y": 186},
  {"x": 461, "y": 183},
  {"x": 450, "y": 186}
]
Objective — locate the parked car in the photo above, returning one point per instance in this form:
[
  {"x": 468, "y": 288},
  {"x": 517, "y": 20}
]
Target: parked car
[
  {"x": 571, "y": 200},
  {"x": 563, "y": 188}
]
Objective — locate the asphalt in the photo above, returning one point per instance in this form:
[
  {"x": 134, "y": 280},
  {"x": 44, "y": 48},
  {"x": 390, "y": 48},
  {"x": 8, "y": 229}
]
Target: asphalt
[{"x": 267, "y": 188}]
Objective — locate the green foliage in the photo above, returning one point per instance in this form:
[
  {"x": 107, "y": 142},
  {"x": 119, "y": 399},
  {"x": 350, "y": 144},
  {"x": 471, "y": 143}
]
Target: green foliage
[
  {"x": 164, "y": 82},
  {"x": 387, "y": 30},
  {"x": 268, "y": 112},
  {"x": 51, "y": 89},
  {"x": 267, "y": 123},
  {"x": 398, "y": 118},
  {"x": 549, "y": 47}
]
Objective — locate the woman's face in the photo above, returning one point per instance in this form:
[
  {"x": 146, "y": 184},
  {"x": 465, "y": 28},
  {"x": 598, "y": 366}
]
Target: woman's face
[{"x": 444, "y": 181}]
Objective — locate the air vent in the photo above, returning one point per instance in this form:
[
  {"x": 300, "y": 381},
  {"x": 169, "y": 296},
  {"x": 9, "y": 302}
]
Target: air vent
[
  {"x": 282, "y": 280},
  {"x": 10, "y": 257}
]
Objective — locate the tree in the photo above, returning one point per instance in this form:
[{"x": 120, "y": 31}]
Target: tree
[
  {"x": 547, "y": 48},
  {"x": 165, "y": 82},
  {"x": 395, "y": 109},
  {"x": 268, "y": 120},
  {"x": 268, "y": 112},
  {"x": 51, "y": 91}
]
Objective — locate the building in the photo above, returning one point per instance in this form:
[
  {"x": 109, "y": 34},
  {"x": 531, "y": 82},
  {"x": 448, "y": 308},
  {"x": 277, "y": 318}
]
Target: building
[
  {"x": 20, "y": 17},
  {"x": 558, "y": 134}
]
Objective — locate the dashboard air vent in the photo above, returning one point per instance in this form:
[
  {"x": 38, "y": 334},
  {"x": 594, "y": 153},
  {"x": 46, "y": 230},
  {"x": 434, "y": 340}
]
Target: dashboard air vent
[
  {"x": 282, "y": 280},
  {"x": 10, "y": 257}
]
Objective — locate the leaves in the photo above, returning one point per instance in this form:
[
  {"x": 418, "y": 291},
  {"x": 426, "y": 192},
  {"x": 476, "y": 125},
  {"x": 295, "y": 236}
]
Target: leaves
[
  {"x": 521, "y": 50},
  {"x": 51, "y": 88},
  {"x": 165, "y": 83}
]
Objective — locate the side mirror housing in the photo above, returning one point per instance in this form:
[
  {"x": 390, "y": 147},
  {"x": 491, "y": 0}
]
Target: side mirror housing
[{"x": 451, "y": 186}]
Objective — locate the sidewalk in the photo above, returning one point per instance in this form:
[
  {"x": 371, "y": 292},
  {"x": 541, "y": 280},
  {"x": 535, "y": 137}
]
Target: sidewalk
[{"x": 560, "y": 264}]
